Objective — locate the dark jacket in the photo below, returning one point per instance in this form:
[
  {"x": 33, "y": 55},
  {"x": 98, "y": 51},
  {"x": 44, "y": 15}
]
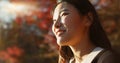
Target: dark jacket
[{"x": 107, "y": 56}]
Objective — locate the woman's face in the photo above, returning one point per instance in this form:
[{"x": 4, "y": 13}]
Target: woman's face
[{"x": 68, "y": 25}]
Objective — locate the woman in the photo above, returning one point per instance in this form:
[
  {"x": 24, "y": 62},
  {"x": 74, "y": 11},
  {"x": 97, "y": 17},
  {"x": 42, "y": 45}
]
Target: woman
[{"x": 79, "y": 34}]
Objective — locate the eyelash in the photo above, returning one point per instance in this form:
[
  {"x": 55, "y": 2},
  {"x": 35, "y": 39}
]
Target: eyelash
[{"x": 64, "y": 14}]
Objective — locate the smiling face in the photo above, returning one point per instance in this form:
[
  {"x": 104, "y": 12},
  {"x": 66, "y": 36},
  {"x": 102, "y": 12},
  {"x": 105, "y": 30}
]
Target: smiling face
[{"x": 68, "y": 25}]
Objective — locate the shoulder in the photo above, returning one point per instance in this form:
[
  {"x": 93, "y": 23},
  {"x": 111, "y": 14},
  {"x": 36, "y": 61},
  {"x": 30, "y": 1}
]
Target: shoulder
[{"x": 107, "y": 56}]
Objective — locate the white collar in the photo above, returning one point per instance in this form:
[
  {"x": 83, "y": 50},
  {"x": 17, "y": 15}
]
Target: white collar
[{"x": 92, "y": 55}]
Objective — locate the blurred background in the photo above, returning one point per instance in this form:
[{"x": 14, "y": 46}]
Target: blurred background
[{"x": 25, "y": 29}]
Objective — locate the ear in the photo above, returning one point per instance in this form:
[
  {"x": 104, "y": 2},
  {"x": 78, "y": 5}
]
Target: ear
[{"x": 88, "y": 19}]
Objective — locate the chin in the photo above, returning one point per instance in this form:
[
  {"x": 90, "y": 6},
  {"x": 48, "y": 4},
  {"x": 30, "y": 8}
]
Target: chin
[{"x": 62, "y": 43}]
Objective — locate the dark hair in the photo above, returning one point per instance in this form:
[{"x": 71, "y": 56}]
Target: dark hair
[{"x": 96, "y": 33}]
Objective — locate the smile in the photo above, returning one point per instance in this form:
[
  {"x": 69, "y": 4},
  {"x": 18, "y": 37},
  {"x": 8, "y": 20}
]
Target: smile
[{"x": 60, "y": 32}]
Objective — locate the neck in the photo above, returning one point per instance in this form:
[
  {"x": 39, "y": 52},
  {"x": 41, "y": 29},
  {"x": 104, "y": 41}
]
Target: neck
[{"x": 82, "y": 49}]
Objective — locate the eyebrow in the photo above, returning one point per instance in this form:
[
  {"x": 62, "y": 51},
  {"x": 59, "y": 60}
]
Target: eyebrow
[{"x": 63, "y": 10}]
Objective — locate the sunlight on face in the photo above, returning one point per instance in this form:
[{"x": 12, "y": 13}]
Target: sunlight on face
[{"x": 68, "y": 24}]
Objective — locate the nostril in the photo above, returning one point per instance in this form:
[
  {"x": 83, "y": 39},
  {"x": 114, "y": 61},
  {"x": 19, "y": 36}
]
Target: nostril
[{"x": 58, "y": 24}]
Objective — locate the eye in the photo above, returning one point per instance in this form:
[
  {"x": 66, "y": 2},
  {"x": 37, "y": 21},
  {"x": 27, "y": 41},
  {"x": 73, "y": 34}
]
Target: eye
[{"x": 64, "y": 14}]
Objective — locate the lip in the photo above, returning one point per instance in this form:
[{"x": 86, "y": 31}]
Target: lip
[{"x": 59, "y": 32}]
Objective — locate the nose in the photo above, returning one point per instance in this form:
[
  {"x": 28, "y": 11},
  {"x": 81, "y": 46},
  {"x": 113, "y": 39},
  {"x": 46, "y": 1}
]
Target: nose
[{"x": 58, "y": 23}]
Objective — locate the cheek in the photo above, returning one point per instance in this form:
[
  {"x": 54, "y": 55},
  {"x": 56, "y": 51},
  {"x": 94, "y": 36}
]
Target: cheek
[
  {"x": 73, "y": 22},
  {"x": 75, "y": 27}
]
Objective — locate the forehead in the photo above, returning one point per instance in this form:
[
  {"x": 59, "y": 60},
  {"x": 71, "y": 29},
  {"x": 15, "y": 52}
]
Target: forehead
[{"x": 62, "y": 6}]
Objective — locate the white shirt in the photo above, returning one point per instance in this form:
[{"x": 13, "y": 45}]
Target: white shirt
[{"x": 90, "y": 56}]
